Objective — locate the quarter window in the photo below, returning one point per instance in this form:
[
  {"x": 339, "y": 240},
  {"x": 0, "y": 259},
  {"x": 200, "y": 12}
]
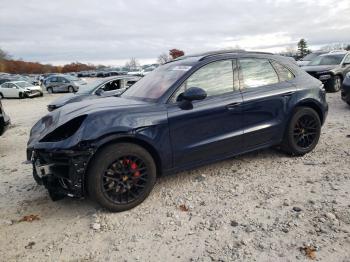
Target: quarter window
[
  {"x": 257, "y": 72},
  {"x": 284, "y": 73}
]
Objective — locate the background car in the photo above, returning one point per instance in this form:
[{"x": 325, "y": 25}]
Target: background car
[
  {"x": 192, "y": 111},
  {"x": 99, "y": 88},
  {"x": 330, "y": 68},
  {"x": 345, "y": 89},
  {"x": 308, "y": 58},
  {"x": 4, "y": 120},
  {"x": 19, "y": 89},
  {"x": 63, "y": 83}
]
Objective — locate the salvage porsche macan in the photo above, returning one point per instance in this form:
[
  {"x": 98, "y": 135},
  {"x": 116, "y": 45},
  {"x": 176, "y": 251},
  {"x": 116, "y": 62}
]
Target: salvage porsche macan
[{"x": 189, "y": 112}]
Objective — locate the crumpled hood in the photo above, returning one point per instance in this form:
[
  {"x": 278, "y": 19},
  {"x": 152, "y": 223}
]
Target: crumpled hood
[
  {"x": 64, "y": 99},
  {"x": 319, "y": 68},
  {"x": 70, "y": 111}
]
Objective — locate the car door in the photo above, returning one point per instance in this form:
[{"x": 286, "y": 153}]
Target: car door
[
  {"x": 212, "y": 129},
  {"x": 52, "y": 82},
  {"x": 62, "y": 84},
  {"x": 265, "y": 96},
  {"x": 3, "y": 89},
  {"x": 346, "y": 65},
  {"x": 12, "y": 90}
]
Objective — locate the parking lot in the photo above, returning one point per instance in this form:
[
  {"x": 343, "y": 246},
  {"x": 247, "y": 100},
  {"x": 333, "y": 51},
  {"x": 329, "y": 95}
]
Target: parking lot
[{"x": 261, "y": 206}]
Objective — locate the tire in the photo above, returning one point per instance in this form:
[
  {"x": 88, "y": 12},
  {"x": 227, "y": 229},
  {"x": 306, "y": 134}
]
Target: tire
[
  {"x": 335, "y": 84},
  {"x": 50, "y": 90},
  {"x": 108, "y": 164},
  {"x": 1, "y": 96},
  {"x": 70, "y": 89},
  {"x": 304, "y": 121},
  {"x": 20, "y": 96}
]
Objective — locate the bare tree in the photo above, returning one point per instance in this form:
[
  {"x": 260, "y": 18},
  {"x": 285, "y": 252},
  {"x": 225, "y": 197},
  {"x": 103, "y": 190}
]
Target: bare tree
[
  {"x": 133, "y": 64},
  {"x": 163, "y": 58},
  {"x": 4, "y": 55}
]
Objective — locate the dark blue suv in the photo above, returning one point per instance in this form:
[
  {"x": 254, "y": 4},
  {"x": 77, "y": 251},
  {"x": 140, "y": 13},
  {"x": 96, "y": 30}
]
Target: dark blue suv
[{"x": 189, "y": 112}]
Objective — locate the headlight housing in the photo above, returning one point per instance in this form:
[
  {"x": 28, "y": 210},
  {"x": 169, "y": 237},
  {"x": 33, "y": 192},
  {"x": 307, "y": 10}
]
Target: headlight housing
[
  {"x": 325, "y": 77},
  {"x": 348, "y": 75},
  {"x": 65, "y": 131}
]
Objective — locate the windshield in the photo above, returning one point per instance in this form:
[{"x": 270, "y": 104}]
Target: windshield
[
  {"x": 327, "y": 60},
  {"x": 156, "y": 83},
  {"x": 90, "y": 87},
  {"x": 23, "y": 84},
  {"x": 71, "y": 78},
  {"x": 311, "y": 56}
]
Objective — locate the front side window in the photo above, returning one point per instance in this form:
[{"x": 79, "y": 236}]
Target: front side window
[
  {"x": 347, "y": 59},
  {"x": 257, "y": 72},
  {"x": 215, "y": 79},
  {"x": 284, "y": 73}
]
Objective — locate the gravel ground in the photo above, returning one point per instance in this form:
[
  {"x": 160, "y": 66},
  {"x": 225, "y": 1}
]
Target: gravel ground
[{"x": 262, "y": 206}]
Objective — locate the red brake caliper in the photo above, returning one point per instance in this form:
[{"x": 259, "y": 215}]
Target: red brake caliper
[{"x": 134, "y": 166}]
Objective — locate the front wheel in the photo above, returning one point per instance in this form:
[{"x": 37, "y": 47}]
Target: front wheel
[
  {"x": 50, "y": 90},
  {"x": 70, "y": 89},
  {"x": 335, "y": 84},
  {"x": 303, "y": 132},
  {"x": 121, "y": 176}
]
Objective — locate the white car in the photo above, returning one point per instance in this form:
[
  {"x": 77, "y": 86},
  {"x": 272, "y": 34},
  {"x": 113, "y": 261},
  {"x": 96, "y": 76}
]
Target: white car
[{"x": 20, "y": 89}]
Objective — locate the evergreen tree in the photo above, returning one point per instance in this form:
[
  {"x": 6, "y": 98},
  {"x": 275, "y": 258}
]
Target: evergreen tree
[{"x": 303, "y": 48}]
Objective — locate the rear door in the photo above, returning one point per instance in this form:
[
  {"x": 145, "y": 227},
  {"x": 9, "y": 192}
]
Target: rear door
[
  {"x": 62, "y": 84},
  {"x": 13, "y": 90},
  {"x": 265, "y": 97},
  {"x": 212, "y": 128}
]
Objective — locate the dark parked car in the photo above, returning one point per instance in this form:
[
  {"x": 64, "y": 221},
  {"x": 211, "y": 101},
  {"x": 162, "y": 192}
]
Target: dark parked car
[
  {"x": 308, "y": 58},
  {"x": 4, "y": 120},
  {"x": 63, "y": 83},
  {"x": 189, "y": 112},
  {"x": 330, "y": 68},
  {"x": 100, "y": 88},
  {"x": 345, "y": 89}
]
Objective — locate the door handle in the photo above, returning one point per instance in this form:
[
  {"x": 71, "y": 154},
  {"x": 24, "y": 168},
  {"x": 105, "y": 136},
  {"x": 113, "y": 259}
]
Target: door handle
[
  {"x": 288, "y": 94},
  {"x": 233, "y": 105}
]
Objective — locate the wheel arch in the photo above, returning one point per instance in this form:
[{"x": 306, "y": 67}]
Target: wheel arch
[
  {"x": 314, "y": 105},
  {"x": 133, "y": 140}
]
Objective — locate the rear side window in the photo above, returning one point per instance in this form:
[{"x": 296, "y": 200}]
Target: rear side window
[
  {"x": 284, "y": 73},
  {"x": 257, "y": 72}
]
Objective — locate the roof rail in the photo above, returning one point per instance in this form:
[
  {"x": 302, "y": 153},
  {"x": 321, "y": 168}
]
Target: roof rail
[{"x": 210, "y": 54}]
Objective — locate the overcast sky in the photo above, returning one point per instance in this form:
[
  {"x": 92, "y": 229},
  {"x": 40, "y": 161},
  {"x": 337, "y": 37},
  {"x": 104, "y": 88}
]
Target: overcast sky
[{"x": 111, "y": 31}]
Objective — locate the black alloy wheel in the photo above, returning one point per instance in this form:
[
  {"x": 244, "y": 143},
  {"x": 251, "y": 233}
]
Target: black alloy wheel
[
  {"x": 121, "y": 176},
  {"x": 303, "y": 132},
  {"x": 125, "y": 179}
]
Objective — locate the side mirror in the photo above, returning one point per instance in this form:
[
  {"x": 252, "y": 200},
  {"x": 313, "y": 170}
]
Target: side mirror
[
  {"x": 99, "y": 91},
  {"x": 192, "y": 94},
  {"x": 346, "y": 64}
]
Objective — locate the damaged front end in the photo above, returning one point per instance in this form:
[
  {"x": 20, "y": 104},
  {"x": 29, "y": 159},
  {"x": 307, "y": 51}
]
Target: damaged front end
[
  {"x": 61, "y": 172},
  {"x": 58, "y": 156}
]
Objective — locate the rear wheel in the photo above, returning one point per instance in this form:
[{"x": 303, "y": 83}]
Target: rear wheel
[
  {"x": 303, "y": 132},
  {"x": 121, "y": 176},
  {"x": 1, "y": 96},
  {"x": 335, "y": 84},
  {"x": 50, "y": 90}
]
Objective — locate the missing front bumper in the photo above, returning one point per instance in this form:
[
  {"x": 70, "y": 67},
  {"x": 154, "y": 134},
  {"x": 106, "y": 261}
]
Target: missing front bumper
[{"x": 62, "y": 173}]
